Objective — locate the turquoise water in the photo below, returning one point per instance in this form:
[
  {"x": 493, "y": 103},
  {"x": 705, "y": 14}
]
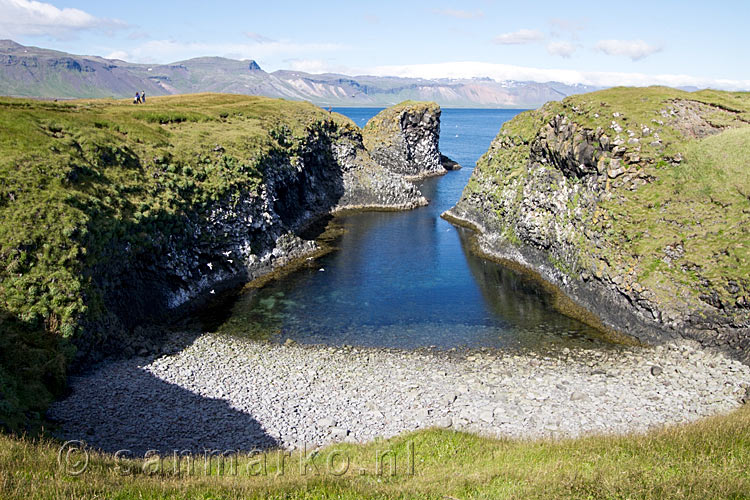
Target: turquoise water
[{"x": 408, "y": 279}]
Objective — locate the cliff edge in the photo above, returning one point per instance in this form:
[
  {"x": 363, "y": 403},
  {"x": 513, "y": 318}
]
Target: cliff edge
[
  {"x": 405, "y": 139},
  {"x": 634, "y": 202},
  {"x": 115, "y": 214}
]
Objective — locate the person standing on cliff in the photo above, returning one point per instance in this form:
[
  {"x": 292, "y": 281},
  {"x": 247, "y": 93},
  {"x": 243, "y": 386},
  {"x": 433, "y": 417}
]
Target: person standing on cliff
[
  {"x": 143, "y": 97},
  {"x": 137, "y": 98}
]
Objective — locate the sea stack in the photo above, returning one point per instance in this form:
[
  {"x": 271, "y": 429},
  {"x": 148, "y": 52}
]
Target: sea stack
[{"x": 405, "y": 139}]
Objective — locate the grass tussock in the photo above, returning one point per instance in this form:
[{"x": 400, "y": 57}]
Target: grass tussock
[{"x": 707, "y": 459}]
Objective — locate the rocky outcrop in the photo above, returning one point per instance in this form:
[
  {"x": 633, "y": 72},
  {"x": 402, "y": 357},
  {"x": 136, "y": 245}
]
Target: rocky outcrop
[
  {"x": 243, "y": 238},
  {"x": 405, "y": 140},
  {"x": 605, "y": 196},
  {"x": 449, "y": 164}
]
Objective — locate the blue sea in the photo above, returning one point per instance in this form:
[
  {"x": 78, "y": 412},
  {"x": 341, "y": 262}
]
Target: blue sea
[{"x": 408, "y": 279}]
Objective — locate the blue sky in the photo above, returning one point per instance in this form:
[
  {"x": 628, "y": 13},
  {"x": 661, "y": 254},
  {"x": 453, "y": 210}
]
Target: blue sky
[{"x": 607, "y": 43}]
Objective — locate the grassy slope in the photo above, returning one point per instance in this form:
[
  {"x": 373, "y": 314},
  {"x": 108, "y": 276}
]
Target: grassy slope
[
  {"x": 77, "y": 176},
  {"x": 701, "y": 203},
  {"x": 78, "y": 179},
  {"x": 704, "y": 460},
  {"x": 707, "y": 459}
]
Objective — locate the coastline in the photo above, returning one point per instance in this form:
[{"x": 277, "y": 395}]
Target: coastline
[{"x": 562, "y": 302}]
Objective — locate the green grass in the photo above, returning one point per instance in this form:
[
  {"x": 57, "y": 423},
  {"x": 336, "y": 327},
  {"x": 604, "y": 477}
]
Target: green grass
[
  {"x": 704, "y": 460},
  {"x": 697, "y": 195},
  {"x": 704, "y": 205},
  {"x": 80, "y": 177},
  {"x": 82, "y": 180},
  {"x": 32, "y": 374}
]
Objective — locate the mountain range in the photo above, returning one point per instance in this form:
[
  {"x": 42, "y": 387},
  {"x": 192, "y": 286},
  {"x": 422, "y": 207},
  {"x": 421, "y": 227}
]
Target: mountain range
[{"x": 43, "y": 73}]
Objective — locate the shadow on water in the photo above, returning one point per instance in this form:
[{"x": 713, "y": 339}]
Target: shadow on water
[
  {"x": 136, "y": 411},
  {"x": 522, "y": 302},
  {"x": 407, "y": 279},
  {"x": 242, "y": 311},
  {"x": 404, "y": 280}
]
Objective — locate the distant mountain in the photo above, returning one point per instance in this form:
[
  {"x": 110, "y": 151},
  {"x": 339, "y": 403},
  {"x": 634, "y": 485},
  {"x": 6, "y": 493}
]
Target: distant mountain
[{"x": 36, "y": 72}]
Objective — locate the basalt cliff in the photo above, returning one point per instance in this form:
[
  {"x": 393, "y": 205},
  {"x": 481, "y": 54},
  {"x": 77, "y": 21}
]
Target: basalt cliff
[
  {"x": 118, "y": 216},
  {"x": 405, "y": 139},
  {"x": 115, "y": 214},
  {"x": 635, "y": 203}
]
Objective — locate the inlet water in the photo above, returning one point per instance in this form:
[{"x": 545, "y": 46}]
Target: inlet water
[{"x": 408, "y": 279}]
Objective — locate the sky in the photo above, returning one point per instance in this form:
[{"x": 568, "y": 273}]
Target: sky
[{"x": 678, "y": 43}]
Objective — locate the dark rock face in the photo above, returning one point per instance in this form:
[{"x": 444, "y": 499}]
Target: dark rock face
[
  {"x": 449, "y": 164},
  {"x": 242, "y": 239},
  {"x": 533, "y": 200},
  {"x": 404, "y": 139}
]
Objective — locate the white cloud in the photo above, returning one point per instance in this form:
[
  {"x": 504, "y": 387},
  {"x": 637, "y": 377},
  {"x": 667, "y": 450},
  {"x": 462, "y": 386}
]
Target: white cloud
[
  {"x": 562, "y": 49},
  {"x": 138, "y": 35},
  {"x": 316, "y": 66},
  {"x": 460, "y": 14},
  {"x": 258, "y": 37},
  {"x": 519, "y": 37},
  {"x": 28, "y": 17},
  {"x": 117, "y": 54},
  {"x": 502, "y": 72},
  {"x": 634, "y": 49},
  {"x": 166, "y": 51},
  {"x": 568, "y": 25}
]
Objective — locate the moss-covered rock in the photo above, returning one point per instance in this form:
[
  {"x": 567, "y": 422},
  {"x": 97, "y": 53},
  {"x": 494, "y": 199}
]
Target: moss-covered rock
[
  {"x": 634, "y": 202},
  {"x": 404, "y": 139},
  {"x": 113, "y": 215}
]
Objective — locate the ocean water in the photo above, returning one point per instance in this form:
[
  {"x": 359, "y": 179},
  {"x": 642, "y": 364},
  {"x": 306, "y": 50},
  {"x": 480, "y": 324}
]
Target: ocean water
[{"x": 408, "y": 279}]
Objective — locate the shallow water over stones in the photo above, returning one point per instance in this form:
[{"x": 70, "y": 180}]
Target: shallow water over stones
[{"x": 407, "y": 279}]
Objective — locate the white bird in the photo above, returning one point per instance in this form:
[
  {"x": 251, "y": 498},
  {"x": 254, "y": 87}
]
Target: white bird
[{"x": 210, "y": 266}]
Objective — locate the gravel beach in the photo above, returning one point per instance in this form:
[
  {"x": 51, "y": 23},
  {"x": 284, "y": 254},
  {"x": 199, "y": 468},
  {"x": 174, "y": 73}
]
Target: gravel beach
[{"x": 225, "y": 393}]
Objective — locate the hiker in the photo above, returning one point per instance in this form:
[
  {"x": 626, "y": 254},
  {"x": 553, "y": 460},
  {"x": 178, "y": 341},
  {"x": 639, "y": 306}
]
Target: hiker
[
  {"x": 143, "y": 97},
  {"x": 137, "y": 99}
]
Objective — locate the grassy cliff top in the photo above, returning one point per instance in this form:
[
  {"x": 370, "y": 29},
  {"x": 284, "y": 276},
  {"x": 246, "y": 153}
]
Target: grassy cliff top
[
  {"x": 631, "y": 107},
  {"x": 684, "y": 233},
  {"x": 389, "y": 120},
  {"x": 386, "y": 125},
  {"x": 77, "y": 176}
]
